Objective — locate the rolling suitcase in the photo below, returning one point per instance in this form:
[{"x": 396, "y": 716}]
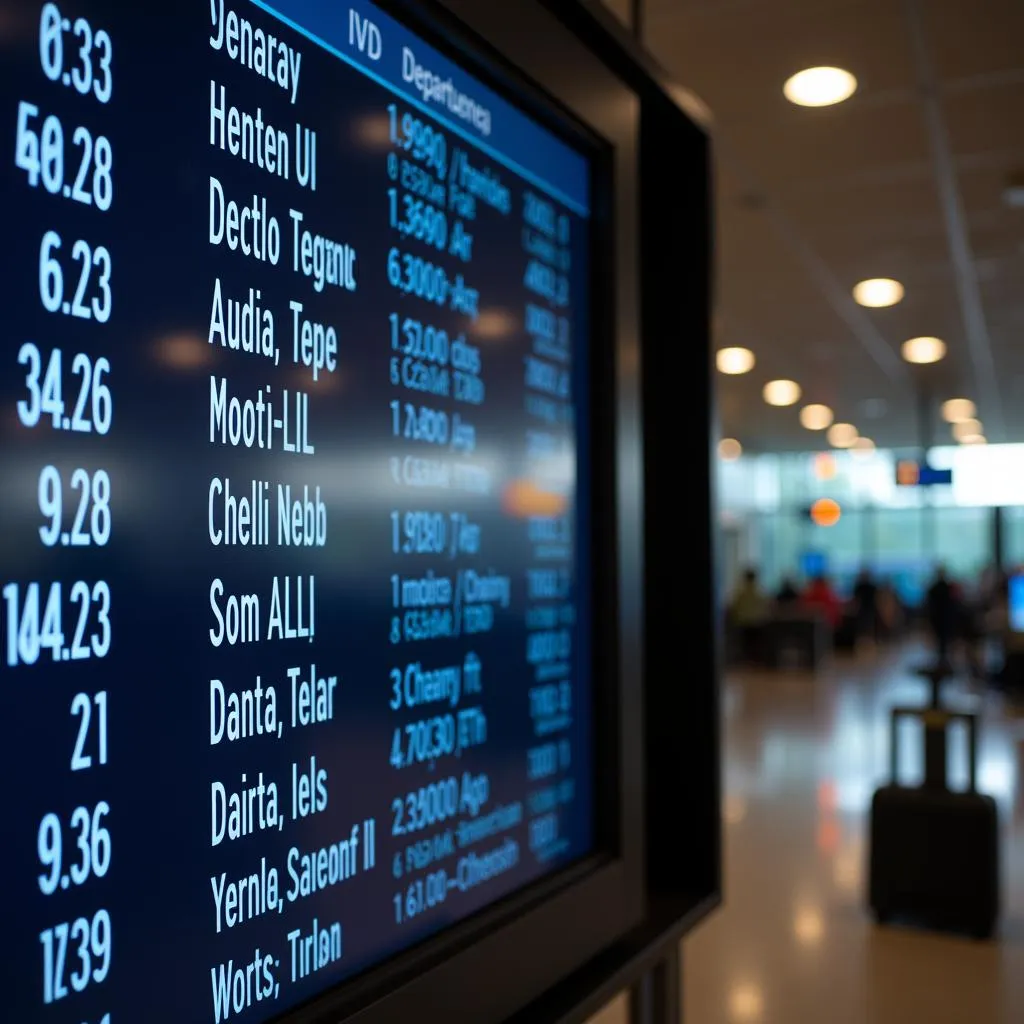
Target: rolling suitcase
[{"x": 934, "y": 852}]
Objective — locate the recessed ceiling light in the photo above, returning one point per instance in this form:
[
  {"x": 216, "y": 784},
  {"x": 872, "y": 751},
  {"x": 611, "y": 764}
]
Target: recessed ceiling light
[
  {"x": 956, "y": 410},
  {"x": 729, "y": 449},
  {"x": 974, "y": 439},
  {"x": 819, "y": 87},
  {"x": 816, "y": 417},
  {"x": 842, "y": 435},
  {"x": 862, "y": 448},
  {"x": 923, "y": 350},
  {"x": 782, "y": 392},
  {"x": 878, "y": 292},
  {"x": 967, "y": 428},
  {"x": 734, "y": 360}
]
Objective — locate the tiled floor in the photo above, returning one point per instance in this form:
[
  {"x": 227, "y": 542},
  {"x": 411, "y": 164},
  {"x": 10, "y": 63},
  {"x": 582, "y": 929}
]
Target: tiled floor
[{"x": 793, "y": 944}]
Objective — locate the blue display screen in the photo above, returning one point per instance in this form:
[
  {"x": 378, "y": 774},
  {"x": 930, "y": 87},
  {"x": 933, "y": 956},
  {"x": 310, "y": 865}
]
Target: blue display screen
[{"x": 295, "y": 667}]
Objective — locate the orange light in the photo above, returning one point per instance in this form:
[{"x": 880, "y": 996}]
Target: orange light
[
  {"x": 907, "y": 473},
  {"x": 523, "y": 498},
  {"x": 825, "y": 512},
  {"x": 825, "y": 466}
]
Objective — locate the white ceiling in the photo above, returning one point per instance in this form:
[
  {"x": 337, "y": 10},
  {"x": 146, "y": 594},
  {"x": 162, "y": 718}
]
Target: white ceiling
[{"x": 904, "y": 180}]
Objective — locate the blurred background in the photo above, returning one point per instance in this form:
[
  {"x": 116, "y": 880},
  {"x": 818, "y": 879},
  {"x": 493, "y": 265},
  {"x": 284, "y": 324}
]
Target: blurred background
[{"x": 869, "y": 348}]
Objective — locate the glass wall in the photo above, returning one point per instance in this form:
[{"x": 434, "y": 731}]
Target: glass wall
[
  {"x": 898, "y": 550},
  {"x": 900, "y": 533},
  {"x": 1013, "y": 537}
]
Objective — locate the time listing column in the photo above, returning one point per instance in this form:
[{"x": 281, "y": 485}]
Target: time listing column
[{"x": 62, "y": 618}]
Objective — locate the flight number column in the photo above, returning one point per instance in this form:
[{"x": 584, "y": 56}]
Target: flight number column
[
  {"x": 442, "y": 587},
  {"x": 550, "y": 446},
  {"x": 68, "y": 399}
]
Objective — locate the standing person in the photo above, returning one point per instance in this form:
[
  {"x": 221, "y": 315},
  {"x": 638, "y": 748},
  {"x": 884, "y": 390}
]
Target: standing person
[
  {"x": 749, "y": 611},
  {"x": 943, "y": 612},
  {"x": 865, "y": 605}
]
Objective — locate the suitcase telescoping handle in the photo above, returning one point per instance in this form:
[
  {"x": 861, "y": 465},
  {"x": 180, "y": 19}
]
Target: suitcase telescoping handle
[{"x": 934, "y": 718}]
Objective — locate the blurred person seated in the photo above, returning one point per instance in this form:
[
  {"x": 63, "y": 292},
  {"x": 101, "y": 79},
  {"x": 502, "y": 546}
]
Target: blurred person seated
[
  {"x": 992, "y": 584},
  {"x": 972, "y": 614},
  {"x": 819, "y": 597},
  {"x": 889, "y": 611},
  {"x": 865, "y": 606},
  {"x": 788, "y": 595},
  {"x": 749, "y": 610}
]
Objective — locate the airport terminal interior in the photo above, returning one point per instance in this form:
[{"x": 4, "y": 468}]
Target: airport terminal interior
[
  {"x": 430, "y": 591},
  {"x": 870, "y": 257}
]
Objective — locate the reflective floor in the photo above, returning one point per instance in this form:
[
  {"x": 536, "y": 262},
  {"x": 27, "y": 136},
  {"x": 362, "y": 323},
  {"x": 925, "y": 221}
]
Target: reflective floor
[{"x": 793, "y": 944}]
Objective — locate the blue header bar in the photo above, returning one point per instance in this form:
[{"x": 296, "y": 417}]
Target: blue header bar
[{"x": 363, "y": 36}]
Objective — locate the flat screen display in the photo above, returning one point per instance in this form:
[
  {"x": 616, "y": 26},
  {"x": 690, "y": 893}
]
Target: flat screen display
[{"x": 295, "y": 575}]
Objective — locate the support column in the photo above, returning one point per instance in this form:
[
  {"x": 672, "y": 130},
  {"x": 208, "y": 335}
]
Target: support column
[
  {"x": 998, "y": 552},
  {"x": 925, "y": 434},
  {"x": 657, "y": 998},
  {"x": 637, "y": 19}
]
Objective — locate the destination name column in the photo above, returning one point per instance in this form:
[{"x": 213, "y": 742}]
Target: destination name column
[{"x": 275, "y": 353}]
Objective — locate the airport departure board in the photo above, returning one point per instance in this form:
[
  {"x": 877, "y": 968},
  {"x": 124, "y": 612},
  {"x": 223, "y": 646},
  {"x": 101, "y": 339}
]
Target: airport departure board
[{"x": 295, "y": 571}]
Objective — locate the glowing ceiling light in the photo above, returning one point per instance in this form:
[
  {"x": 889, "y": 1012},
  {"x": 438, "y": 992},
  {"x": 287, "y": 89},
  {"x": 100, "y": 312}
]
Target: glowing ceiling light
[
  {"x": 878, "y": 292},
  {"x": 729, "y": 449},
  {"x": 819, "y": 87},
  {"x": 842, "y": 435},
  {"x": 734, "y": 360},
  {"x": 958, "y": 409},
  {"x": 966, "y": 428},
  {"x": 923, "y": 350},
  {"x": 781, "y": 392},
  {"x": 816, "y": 417},
  {"x": 863, "y": 448}
]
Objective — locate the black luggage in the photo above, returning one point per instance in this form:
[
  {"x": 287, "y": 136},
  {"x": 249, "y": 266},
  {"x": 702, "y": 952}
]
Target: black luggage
[
  {"x": 935, "y": 852},
  {"x": 845, "y": 636}
]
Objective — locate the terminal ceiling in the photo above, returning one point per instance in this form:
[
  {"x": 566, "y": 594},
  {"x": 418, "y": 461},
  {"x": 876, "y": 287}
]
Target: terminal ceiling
[{"x": 904, "y": 180}]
